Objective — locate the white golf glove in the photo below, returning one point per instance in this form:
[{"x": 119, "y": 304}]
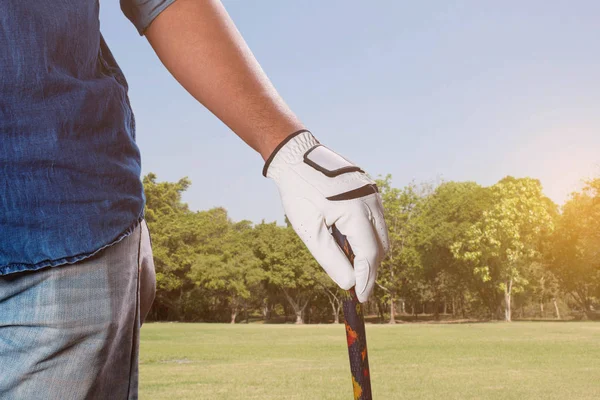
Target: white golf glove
[{"x": 320, "y": 188}]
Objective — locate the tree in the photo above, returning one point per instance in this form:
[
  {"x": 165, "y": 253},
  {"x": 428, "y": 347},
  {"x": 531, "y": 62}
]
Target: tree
[
  {"x": 401, "y": 263},
  {"x": 163, "y": 199},
  {"x": 459, "y": 245},
  {"x": 288, "y": 265},
  {"x": 335, "y": 295},
  {"x": 230, "y": 271},
  {"x": 165, "y": 214},
  {"x": 509, "y": 236},
  {"x": 576, "y": 247},
  {"x": 443, "y": 218}
]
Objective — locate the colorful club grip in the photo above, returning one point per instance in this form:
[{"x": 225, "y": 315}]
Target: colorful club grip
[{"x": 355, "y": 332}]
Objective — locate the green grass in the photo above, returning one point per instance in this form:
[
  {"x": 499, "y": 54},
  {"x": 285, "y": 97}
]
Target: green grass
[{"x": 521, "y": 360}]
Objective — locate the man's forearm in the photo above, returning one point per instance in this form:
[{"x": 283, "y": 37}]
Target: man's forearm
[{"x": 199, "y": 44}]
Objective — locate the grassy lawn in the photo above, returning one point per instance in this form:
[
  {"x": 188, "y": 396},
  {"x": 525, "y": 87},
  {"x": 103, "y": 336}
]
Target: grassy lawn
[{"x": 521, "y": 360}]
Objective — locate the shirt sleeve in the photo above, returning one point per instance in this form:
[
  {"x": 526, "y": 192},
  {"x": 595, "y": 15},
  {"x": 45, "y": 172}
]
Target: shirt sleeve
[{"x": 142, "y": 12}]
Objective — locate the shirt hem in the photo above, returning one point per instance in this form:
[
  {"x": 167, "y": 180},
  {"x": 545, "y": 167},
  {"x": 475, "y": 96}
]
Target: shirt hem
[{"x": 22, "y": 267}]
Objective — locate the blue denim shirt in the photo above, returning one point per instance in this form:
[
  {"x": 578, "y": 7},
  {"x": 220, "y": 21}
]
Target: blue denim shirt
[{"x": 69, "y": 165}]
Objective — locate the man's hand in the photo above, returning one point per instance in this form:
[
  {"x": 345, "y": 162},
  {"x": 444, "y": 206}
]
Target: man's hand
[{"x": 320, "y": 188}]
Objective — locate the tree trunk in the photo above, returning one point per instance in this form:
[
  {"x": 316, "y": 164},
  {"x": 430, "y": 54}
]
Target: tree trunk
[
  {"x": 403, "y": 307},
  {"x": 584, "y": 301},
  {"x": 234, "y": 312},
  {"x": 453, "y": 306},
  {"x": 297, "y": 306},
  {"x": 587, "y": 311},
  {"x": 380, "y": 310},
  {"x": 507, "y": 309},
  {"x": 336, "y": 305},
  {"x": 556, "y": 308},
  {"x": 392, "y": 310},
  {"x": 336, "y": 313},
  {"x": 266, "y": 310},
  {"x": 541, "y": 309},
  {"x": 333, "y": 310},
  {"x": 445, "y": 307}
]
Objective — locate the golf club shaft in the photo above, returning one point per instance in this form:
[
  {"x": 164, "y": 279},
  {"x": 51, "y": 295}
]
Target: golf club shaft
[{"x": 355, "y": 332}]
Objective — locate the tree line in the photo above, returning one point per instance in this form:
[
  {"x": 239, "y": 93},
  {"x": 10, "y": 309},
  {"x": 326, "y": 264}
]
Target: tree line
[{"x": 457, "y": 250}]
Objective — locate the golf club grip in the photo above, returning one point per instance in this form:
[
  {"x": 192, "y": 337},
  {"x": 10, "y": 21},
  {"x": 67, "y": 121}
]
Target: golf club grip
[{"x": 355, "y": 331}]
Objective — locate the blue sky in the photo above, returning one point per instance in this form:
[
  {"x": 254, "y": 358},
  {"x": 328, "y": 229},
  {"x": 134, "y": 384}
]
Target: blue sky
[{"x": 422, "y": 90}]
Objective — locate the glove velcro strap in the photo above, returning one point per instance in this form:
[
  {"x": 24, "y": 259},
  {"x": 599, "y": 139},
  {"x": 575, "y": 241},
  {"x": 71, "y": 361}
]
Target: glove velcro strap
[
  {"x": 328, "y": 162},
  {"x": 356, "y": 193}
]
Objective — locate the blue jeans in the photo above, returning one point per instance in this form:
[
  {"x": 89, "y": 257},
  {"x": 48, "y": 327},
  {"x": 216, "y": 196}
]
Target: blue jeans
[{"x": 72, "y": 331}]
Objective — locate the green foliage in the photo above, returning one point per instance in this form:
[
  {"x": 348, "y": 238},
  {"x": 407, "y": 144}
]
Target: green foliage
[
  {"x": 456, "y": 247},
  {"x": 444, "y": 219},
  {"x": 228, "y": 268},
  {"x": 164, "y": 198},
  {"x": 576, "y": 247},
  {"x": 284, "y": 257},
  {"x": 509, "y": 236},
  {"x": 288, "y": 265},
  {"x": 166, "y": 216},
  {"x": 401, "y": 269}
]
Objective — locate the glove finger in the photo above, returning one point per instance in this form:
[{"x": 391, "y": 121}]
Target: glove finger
[
  {"x": 368, "y": 251},
  {"x": 329, "y": 255},
  {"x": 319, "y": 241}
]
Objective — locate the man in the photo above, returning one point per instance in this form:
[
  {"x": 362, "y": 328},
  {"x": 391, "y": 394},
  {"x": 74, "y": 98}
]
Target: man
[{"x": 76, "y": 271}]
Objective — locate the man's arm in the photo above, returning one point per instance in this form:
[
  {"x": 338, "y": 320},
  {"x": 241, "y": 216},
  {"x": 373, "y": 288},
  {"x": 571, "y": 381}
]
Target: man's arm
[
  {"x": 201, "y": 47},
  {"x": 199, "y": 44}
]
